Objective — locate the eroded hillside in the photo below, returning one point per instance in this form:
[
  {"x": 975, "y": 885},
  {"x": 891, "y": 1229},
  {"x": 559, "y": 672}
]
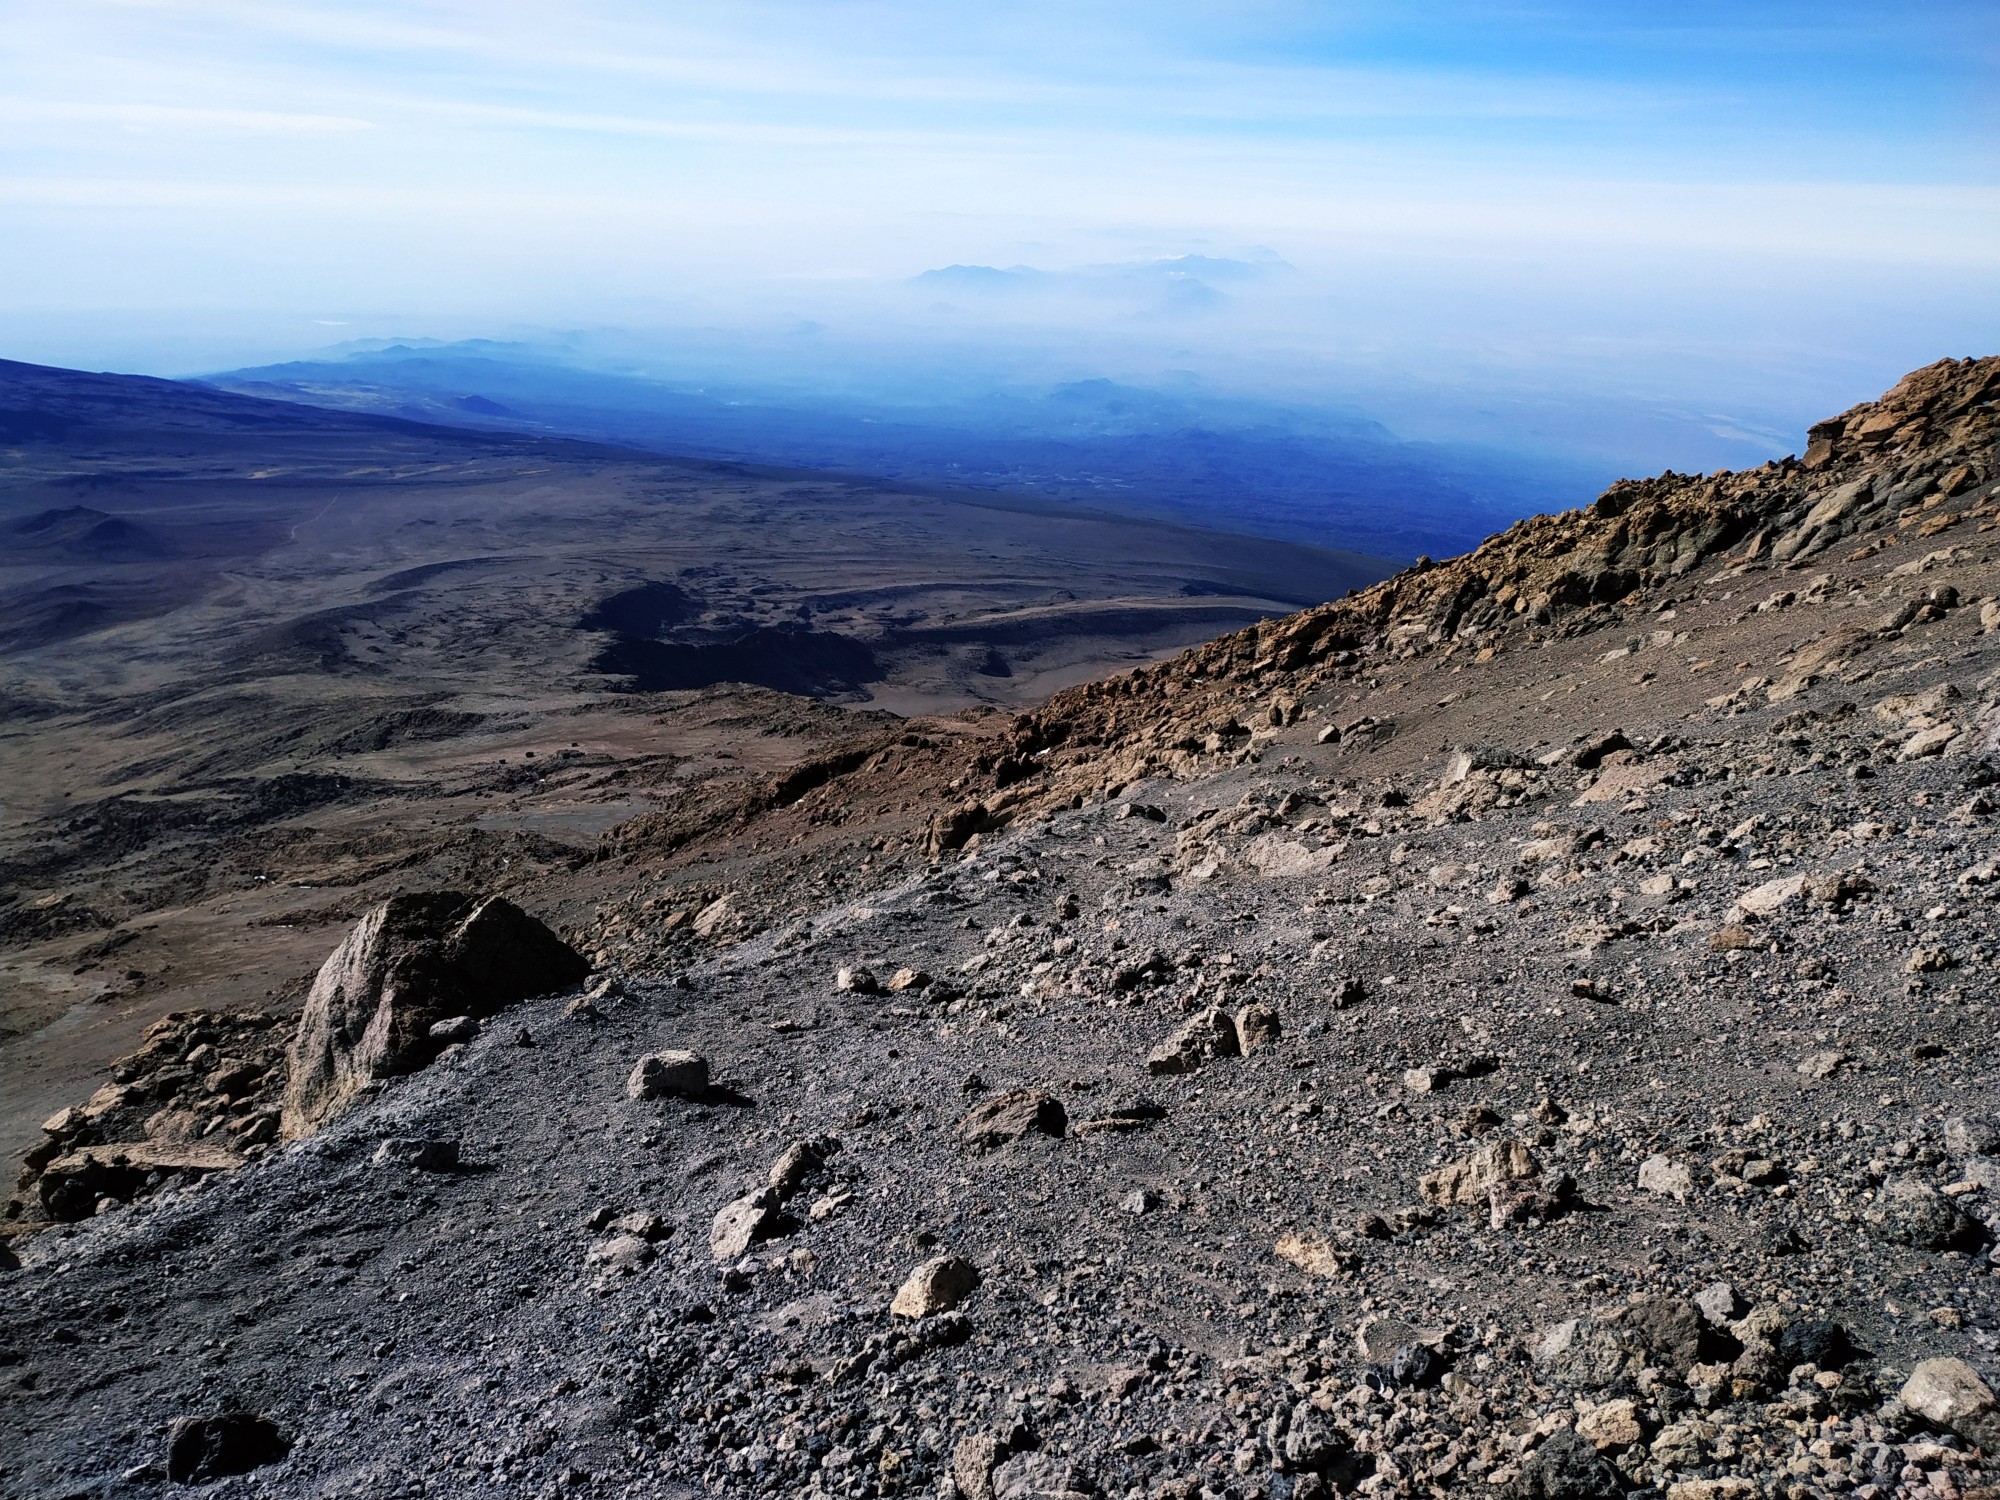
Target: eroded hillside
[{"x": 1527, "y": 1027}]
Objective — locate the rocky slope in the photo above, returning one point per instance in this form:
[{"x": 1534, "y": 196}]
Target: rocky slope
[{"x": 1526, "y": 1027}]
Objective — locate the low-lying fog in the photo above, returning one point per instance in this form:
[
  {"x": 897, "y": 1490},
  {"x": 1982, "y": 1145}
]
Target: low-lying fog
[{"x": 1235, "y": 391}]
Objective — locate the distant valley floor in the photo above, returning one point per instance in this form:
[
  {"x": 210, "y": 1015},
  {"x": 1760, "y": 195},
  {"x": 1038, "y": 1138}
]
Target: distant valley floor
[{"x": 263, "y": 664}]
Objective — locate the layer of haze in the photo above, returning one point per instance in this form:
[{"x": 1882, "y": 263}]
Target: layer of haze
[{"x": 1619, "y": 237}]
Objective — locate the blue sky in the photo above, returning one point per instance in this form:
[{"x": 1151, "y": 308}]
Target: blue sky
[{"x": 1537, "y": 187}]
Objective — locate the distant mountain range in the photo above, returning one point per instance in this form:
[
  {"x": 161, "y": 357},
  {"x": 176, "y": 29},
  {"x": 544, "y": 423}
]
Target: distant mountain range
[{"x": 1317, "y": 475}]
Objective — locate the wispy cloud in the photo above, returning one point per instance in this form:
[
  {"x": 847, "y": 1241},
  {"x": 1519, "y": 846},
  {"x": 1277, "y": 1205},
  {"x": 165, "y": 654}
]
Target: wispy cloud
[
  {"x": 1561, "y": 166},
  {"x": 175, "y": 117}
]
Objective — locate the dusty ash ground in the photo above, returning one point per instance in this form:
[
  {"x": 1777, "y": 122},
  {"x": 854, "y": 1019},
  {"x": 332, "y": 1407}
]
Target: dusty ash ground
[{"x": 1709, "y": 1004}]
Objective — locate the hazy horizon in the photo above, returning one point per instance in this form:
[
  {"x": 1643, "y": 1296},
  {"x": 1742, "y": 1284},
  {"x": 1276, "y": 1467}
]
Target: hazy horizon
[{"x": 1616, "y": 241}]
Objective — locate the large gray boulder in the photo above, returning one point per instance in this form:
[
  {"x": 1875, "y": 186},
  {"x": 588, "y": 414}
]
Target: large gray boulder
[{"x": 409, "y": 963}]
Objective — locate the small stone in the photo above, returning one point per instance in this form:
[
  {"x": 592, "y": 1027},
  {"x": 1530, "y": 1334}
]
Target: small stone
[
  {"x": 1313, "y": 1254},
  {"x": 1719, "y": 1303},
  {"x": 1823, "y": 1064},
  {"x": 740, "y": 1224},
  {"x": 1567, "y": 1467},
  {"x": 908, "y": 979},
  {"x": 856, "y": 981},
  {"x": 625, "y": 1253},
  {"x": 1610, "y": 1424},
  {"x": 938, "y": 1285},
  {"x": 1425, "y": 1080},
  {"x": 1011, "y": 1116},
  {"x": 1209, "y": 1034},
  {"x": 1662, "y": 1174},
  {"x": 663, "y": 1075},
  {"x": 1038, "y": 1476},
  {"x": 1964, "y": 1135},
  {"x": 1140, "y": 1202},
  {"x": 457, "y": 1029},
  {"x": 1256, "y": 1026},
  {"x": 423, "y": 1155},
  {"x": 1949, "y": 1393}
]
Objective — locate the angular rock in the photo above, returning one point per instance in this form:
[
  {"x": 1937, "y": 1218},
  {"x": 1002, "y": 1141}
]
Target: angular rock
[
  {"x": 1566, "y": 1467},
  {"x": 1469, "y": 1180},
  {"x": 1669, "y": 1327},
  {"x": 973, "y": 1460},
  {"x": 1039, "y": 1476},
  {"x": 1313, "y": 1254},
  {"x": 1912, "y": 1213},
  {"x": 938, "y": 1285},
  {"x": 1207, "y": 1034},
  {"x": 1610, "y": 1424},
  {"x": 1773, "y": 896},
  {"x": 1010, "y": 1116},
  {"x": 1662, "y": 1174},
  {"x": 1312, "y": 1444},
  {"x": 738, "y": 1225},
  {"x": 1814, "y": 1341},
  {"x": 1964, "y": 1135},
  {"x": 1949, "y": 1393},
  {"x": 668, "y": 1075},
  {"x": 625, "y": 1253},
  {"x": 719, "y": 918},
  {"x": 857, "y": 981},
  {"x": 1379, "y": 1338},
  {"x": 1729, "y": 1487},
  {"x": 1583, "y": 1353},
  {"x": 799, "y": 1162},
  {"x": 1682, "y": 1445},
  {"x": 72, "y": 1186},
  {"x": 409, "y": 963},
  {"x": 1256, "y": 1026},
  {"x": 423, "y": 1155},
  {"x": 1719, "y": 1303}
]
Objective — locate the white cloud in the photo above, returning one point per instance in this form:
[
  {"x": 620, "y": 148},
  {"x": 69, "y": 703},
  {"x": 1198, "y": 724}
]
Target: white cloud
[{"x": 152, "y": 117}]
